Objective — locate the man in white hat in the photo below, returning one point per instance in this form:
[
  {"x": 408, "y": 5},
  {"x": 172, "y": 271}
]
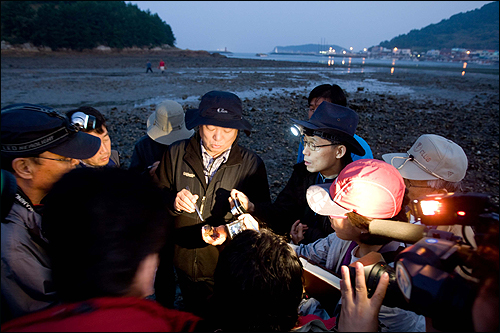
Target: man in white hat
[
  {"x": 433, "y": 165},
  {"x": 165, "y": 126}
]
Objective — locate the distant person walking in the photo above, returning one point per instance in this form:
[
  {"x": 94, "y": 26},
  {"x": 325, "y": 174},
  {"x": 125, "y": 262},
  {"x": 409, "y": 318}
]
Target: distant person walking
[
  {"x": 161, "y": 66},
  {"x": 148, "y": 67}
]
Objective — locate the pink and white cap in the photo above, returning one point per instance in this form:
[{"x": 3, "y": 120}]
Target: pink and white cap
[{"x": 369, "y": 187}]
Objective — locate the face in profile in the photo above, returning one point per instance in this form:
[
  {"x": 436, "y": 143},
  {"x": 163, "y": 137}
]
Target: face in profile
[
  {"x": 324, "y": 159},
  {"x": 101, "y": 158}
]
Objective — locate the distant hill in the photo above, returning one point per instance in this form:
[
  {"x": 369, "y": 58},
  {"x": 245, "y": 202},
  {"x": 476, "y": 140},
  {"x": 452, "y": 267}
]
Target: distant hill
[
  {"x": 307, "y": 48},
  {"x": 78, "y": 25},
  {"x": 475, "y": 29}
]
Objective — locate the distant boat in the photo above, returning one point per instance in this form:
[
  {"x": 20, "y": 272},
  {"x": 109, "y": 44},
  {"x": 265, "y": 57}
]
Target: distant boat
[{"x": 261, "y": 54}]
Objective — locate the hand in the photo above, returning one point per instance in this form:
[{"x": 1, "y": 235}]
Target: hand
[
  {"x": 297, "y": 232},
  {"x": 249, "y": 221},
  {"x": 218, "y": 236},
  {"x": 360, "y": 313},
  {"x": 152, "y": 168},
  {"x": 247, "y": 204},
  {"x": 185, "y": 201}
]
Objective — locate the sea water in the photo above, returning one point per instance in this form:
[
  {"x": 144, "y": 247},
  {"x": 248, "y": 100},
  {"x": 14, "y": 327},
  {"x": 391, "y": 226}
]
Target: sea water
[{"x": 342, "y": 61}]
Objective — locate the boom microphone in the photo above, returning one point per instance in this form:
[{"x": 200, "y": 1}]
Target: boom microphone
[{"x": 399, "y": 231}]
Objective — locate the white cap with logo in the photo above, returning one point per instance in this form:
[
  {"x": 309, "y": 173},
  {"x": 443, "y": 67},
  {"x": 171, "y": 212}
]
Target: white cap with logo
[{"x": 431, "y": 157}]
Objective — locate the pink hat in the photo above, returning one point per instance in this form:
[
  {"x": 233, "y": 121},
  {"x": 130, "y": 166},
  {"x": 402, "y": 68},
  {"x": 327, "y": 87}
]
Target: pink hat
[{"x": 369, "y": 187}]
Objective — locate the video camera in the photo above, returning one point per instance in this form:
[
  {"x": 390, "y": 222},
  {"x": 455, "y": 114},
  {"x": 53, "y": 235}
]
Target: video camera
[{"x": 425, "y": 279}]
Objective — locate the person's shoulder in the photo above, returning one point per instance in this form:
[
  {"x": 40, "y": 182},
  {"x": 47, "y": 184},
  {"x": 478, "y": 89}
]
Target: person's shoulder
[{"x": 247, "y": 153}]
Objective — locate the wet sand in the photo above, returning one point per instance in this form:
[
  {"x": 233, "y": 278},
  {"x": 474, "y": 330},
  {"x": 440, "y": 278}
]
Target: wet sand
[{"x": 394, "y": 109}]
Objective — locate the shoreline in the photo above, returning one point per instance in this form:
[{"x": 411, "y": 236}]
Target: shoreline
[{"x": 394, "y": 109}]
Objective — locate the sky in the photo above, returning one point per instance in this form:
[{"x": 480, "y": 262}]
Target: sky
[{"x": 259, "y": 26}]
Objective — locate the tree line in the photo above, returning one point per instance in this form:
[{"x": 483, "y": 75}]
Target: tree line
[
  {"x": 477, "y": 29},
  {"x": 79, "y": 25}
]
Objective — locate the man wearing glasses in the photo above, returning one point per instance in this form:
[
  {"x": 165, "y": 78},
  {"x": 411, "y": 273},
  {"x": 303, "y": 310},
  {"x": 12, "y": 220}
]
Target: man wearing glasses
[
  {"x": 38, "y": 147},
  {"x": 328, "y": 140}
]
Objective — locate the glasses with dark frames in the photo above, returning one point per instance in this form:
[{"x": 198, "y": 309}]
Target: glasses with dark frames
[
  {"x": 56, "y": 159},
  {"x": 314, "y": 147}
]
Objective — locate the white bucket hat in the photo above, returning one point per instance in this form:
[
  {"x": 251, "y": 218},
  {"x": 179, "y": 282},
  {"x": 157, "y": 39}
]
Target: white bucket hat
[
  {"x": 166, "y": 125},
  {"x": 431, "y": 157}
]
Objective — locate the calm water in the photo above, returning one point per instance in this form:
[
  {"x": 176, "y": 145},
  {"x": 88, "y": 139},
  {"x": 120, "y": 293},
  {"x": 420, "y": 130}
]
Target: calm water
[{"x": 369, "y": 64}]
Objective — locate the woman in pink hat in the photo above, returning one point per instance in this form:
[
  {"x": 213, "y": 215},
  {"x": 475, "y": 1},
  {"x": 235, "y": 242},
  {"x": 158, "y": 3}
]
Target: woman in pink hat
[{"x": 364, "y": 190}]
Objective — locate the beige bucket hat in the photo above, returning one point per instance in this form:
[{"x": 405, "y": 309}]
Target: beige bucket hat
[{"x": 166, "y": 125}]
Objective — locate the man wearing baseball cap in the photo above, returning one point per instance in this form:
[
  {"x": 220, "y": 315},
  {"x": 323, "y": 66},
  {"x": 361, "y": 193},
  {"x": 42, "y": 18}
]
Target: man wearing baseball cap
[
  {"x": 365, "y": 190},
  {"x": 328, "y": 140},
  {"x": 433, "y": 165},
  {"x": 198, "y": 174},
  {"x": 38, "y": 147}
]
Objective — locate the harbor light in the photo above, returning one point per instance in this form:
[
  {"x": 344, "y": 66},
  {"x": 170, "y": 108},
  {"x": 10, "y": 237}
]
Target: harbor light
[
  {"x": 351, "y": 48},
  {"x": 395, "y": 49},
  {"x": 365, "y": 49},
  {"x": 344, "y": 52}
]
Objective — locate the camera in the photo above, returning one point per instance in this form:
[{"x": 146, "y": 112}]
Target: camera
[
  {"x": 425, "y": 279},
  {"x": 83, "y": 121},
  {"x": 238, "y": 208}
]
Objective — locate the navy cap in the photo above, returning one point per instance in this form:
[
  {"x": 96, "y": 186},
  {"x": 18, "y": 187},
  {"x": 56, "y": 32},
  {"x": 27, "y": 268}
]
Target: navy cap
[
  {"x": 218, "y": 108},
  {"x": 335, "y": 120},
  {"x": 29, "y": 130}
]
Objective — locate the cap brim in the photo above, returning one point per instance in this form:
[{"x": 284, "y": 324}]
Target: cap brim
[
  {"x": 410, "y": 169},
  {"x": 193, "y": 119},
  {"x": 355, "y": 146},
  {"x": 320, "y": 202},
  {"x": 78, "y": 146}
]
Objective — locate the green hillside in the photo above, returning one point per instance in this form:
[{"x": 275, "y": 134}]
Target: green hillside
[
  {"x": 476, "y": 29},
  {"x": 79, "y": 25}
]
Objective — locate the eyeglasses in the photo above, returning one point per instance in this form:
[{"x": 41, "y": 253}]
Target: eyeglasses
[
  {"x": 312, "y": 146},
  {"x": 418, "y": 186},
  {"x": 56, "y": 159}
]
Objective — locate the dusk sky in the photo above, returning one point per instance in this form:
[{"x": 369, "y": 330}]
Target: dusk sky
[{"x": 259, "y": 26}]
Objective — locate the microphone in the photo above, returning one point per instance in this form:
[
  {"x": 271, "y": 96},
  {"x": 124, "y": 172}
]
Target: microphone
[{"x": 400, "y": 231}]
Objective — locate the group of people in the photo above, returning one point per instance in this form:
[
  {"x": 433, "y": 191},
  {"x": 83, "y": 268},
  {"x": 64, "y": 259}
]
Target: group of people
[
  {"x": 87, "y": 249},
  {"x": 161, "y": 66}
]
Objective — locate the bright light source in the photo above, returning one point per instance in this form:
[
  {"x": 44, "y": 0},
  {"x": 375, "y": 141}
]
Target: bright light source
[
  {"x": 461, "y": 213},
  {"x": 365, "y": 49},
  {"x": 295, "y": 130},
  {"x": 430, "y": 207},
  {"x": 350, "y": 48},
  {"x": 395, "y": 49}
]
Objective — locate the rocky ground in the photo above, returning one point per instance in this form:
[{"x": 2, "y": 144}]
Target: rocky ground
[{"x": 394, "y": 109}]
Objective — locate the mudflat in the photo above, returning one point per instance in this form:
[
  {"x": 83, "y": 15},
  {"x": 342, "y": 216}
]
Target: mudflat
[{"x": 394, "y": 108}]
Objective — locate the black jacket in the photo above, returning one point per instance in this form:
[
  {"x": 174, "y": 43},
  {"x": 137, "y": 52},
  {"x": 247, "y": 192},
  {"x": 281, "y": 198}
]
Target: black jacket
[
  {"x": 146, "y": 152},
  {"x": 291, "y": 205},
  {"x": 182, "y": 166}
]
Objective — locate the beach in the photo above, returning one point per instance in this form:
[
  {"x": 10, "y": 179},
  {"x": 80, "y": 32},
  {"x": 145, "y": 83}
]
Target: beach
[{"x": 394, "y": 108}]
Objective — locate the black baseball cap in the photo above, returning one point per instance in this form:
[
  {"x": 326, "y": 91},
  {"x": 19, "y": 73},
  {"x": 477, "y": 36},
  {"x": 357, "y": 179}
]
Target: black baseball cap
[{"x": 30, "y": 129}]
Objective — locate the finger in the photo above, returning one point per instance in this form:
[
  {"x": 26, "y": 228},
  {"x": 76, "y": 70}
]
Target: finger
[
  {"x": 250, "y": 222},
  {"x": 360, "y": 278},
  {"x": 379, "y": 294},
  {"x": 345, "y": 284}
]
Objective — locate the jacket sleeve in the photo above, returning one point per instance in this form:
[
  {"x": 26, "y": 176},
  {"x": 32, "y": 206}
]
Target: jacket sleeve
[
  {"x": 26, "y": 275},
  {"x": 165, "y": 176},
  {"x": 256, "y": 185}
]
